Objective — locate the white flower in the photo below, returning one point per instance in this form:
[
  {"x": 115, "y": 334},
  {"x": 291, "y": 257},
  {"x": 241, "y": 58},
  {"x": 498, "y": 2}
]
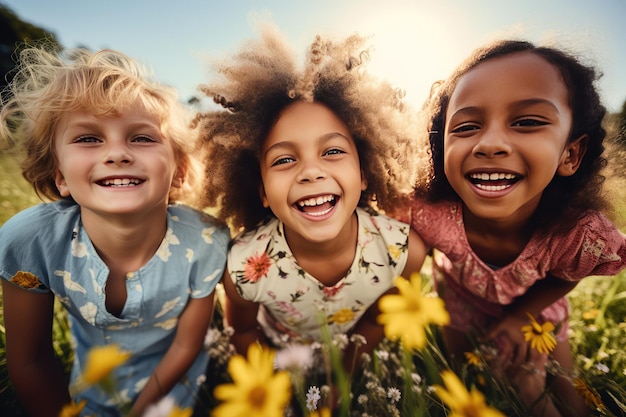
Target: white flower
[
  {"x": 383, "y": 355},
  {"x": 340, "y": 340},
  {"x": 417, "y": 379},
  {"x": 294, "y": 356},
  {"x": 312, "y": 397},
  {"x": 161, "y": 409},
  {"x": 358, "y": 339},
  {"x": 362, "y": 399},
  {"x": 602, "y": 368},
  {"x": 394, "y": 394},
  {"x": 212, "y": 337}
]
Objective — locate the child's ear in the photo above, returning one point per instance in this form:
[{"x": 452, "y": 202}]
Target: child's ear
[
  {"x": 262, "y": 195},
  {"x": 572, "y": 157},
  {"x": 180, "y": 175},
  {"x": 363, "y": 182},
  {"x": 59, "y": 181}
]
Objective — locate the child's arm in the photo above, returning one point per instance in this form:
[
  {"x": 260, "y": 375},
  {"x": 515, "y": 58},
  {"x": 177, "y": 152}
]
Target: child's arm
[
  {"x": 539, "y": 296},
  {"x": 417, "y": 253},
  {"x": 368, "y": 325},
  {"x": 35, "y": 372},
  {"x": 189, "y": 340},
  {"x": 241, "y": 315}
]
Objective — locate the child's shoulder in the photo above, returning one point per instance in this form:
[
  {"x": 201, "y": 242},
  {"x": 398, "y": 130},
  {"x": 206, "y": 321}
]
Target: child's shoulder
[
  {"x": 42, "y": 218},
  {"x": 594, "y": 225},
  {"x": 382, "y": 222},
  {"x": 187, "y": 217}
]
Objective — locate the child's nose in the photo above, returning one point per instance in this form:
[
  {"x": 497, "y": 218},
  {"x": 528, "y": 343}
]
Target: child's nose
[
  {"x": 118, "y": 153},
  {"x": 492, "y": 143},
  {"x": 310, "y": 171}
]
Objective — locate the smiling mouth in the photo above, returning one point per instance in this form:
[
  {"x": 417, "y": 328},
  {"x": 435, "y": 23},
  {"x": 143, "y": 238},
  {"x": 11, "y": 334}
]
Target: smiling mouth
[
  {"x": 317, "y": 206},
  {"x": 120, "y": 182},
  {"x": 493, "y": 181}
]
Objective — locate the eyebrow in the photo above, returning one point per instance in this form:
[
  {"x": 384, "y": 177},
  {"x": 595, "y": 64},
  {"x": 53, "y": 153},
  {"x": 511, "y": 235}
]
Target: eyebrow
[
  {"x": 515, "y": 105},
  {"x": 323, "y": 138}
]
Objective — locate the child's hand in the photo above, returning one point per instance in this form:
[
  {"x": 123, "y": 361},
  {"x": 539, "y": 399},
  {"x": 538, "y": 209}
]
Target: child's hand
[{"x": 507, "y": 336}]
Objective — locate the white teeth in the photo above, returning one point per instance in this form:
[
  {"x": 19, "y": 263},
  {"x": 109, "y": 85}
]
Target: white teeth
[
  {"x": 320, "y": 213},
  {"x": 123, "y": 182},
  {"x": 492, "y": 177},
  {"x": 491, "y": 187},
  {"x": 311, "y": 202}
]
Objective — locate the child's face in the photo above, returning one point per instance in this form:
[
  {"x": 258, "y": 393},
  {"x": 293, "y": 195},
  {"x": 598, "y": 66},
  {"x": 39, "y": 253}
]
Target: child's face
[
  {"x": 115, "y": 165},
  {"x": 505, "y": 135},
  {"x": 311, "y": 172}
]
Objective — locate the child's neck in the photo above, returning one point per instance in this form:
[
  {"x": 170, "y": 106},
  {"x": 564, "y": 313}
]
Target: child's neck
[
  {"x": 496, "y": 242},
  {"x": 327, "y": 261},
  {"x": 126, "y": 243}
]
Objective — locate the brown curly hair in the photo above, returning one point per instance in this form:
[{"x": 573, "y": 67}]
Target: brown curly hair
[
  {"x": 565, "y": 199},
  {"x": 258, "y": 82}
]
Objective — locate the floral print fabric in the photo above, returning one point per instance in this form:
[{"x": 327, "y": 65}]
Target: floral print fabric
[
  {"x": 294, "y": 304},
  {"x": 474, "y": 292}
]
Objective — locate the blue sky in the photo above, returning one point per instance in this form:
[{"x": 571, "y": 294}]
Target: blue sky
[{"x": 415, "y": 42}]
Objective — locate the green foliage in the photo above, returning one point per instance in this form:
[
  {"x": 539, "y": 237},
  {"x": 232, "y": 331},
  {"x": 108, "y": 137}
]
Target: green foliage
[
  {"x": 14, "y": 33},
  {"x": 15, "y": 192}
]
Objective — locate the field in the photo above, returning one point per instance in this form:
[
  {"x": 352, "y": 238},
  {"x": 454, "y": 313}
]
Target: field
[{"x": 598, "y": 328}]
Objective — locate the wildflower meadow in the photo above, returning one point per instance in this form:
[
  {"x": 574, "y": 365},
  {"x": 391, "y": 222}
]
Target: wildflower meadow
[{"x": 407, "y": 375}]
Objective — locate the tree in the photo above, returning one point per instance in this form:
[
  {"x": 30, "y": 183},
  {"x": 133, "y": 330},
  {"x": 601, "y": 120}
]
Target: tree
[{"x": 14, "y": 34}]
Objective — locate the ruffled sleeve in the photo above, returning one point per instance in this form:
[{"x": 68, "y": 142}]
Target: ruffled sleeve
[{"x": 594, "y": 247}]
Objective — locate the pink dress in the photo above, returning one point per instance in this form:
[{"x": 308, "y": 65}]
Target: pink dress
[{"x": 475, "y": 292}]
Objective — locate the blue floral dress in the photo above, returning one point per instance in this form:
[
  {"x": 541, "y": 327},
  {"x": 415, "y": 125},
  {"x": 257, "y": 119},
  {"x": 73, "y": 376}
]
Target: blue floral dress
[
  {"x": 46, "y": 249},
  {"x": 294, "y": 304}
]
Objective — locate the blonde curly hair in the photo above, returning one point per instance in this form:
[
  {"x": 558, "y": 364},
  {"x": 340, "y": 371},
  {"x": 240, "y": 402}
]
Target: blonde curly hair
[
  {"x": 48, "y": 83},
  {"x": 261, "y": 80}
]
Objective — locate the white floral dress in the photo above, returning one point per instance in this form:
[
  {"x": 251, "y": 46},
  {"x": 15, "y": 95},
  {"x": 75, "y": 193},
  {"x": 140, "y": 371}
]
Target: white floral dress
[{"x": 294, "y": 304}]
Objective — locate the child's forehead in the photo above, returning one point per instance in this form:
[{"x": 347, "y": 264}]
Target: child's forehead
[
  {"x": 518, "y": 75},
  {"x": 515, "y": 64}
]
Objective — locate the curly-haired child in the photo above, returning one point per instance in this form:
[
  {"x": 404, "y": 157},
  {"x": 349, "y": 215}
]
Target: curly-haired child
[
  {"x": 515, "y": 206},
  {"x": 112, "y": 149},
  {"x": 299, "y": 160}
]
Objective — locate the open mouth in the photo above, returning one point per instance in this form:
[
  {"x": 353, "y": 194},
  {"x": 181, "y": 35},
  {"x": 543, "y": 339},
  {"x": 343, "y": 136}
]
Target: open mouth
[
  {"x": 120, "y": 182},
  {"x": 317, "y": 206},
  {"x": 493, "y": 181}
]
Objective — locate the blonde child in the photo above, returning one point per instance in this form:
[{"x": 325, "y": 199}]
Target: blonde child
[
  {"x": 110, "y": 147},
  {"x": 515, "y": 204},
  {"x": 299, "y": 160}
]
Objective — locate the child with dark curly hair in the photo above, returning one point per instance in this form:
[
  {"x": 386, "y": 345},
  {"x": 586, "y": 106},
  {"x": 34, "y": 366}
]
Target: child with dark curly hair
[
  {"x": 299, "y": 160},
  {"x": 515, "y": 206}
]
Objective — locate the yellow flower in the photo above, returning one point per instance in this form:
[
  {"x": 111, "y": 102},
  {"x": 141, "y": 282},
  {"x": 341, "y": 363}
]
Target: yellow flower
[
  {"x": 101, "y": 360},
  {"x": 256, "y": 390},
  {"x": 180, "y": 412},
  {"x": 405, "y": 315},
  {"x": 461, "y": 402},
  {"x": 72, "y": 409},
  {"x": 324, "y": 412},
  {"x": 592, "y": 399},
  {"x": 539, "y": 335},
  {"x": 473, "y": 359},
  {"x": 591, "y": 314}
]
